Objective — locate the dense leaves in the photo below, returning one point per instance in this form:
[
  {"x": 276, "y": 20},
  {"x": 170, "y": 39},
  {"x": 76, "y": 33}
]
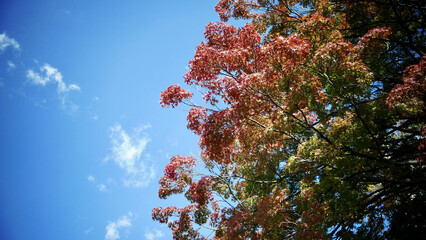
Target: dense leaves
[{"x": 313, "y": 124}]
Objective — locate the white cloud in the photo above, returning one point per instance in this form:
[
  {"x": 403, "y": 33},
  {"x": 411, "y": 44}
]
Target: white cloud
[
  {"x": 126, "y": 149},
  {"x": 87, "y": 231},
  {"x": 49, "y": 74},
  {"x": 112, "y": 229},
  {"x": 102, "y": 187},
  {"x": 10, "y": 66},
  {"x": 126, "y": 152},
  {"x": 6, "y": 42},
  {"x": 91, "y": 179},
  {"x": 152, "y": 236}
]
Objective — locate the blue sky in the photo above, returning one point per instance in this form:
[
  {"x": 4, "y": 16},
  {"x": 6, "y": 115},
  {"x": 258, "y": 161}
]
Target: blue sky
[{"x": 83, "y": 137}]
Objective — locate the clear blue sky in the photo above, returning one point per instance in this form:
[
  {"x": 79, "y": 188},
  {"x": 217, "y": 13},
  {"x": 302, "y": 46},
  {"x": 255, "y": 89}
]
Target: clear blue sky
[{"x": 83, "y": 138}]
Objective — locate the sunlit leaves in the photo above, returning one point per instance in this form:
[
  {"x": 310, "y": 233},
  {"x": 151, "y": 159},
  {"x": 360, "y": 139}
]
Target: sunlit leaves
[
  {"x": 173, "y": 96},
  {"x": 300, "y": 133},
  {"x": 409, "y": 97}
]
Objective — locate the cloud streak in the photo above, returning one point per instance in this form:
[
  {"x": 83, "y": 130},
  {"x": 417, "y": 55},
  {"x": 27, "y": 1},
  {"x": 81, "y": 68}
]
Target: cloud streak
[
  {"x": 87, "y": 231},
  {"x": 6, "y": 42},
  {"x": 10, "y": 66},
  {"x": 126, "y": 152},
  {"x": 49, "y": 74}
]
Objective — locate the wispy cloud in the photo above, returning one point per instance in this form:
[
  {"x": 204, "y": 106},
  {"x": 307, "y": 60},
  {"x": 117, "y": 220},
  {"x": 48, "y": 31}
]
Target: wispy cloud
[
  {"x": 126, "y": 152},
  {"x": 112, "y": 229},
  {"x": 10, "y": 66},
  {"x": 94, "y": 116},
  {"x": 101, "y": 187},
  {"x": 111, "y": 181},
  {"x": 87, "y": 231},
  {"x": 91, "y": 179},
  {"x": 6, "y": 42},
  {"x": 153, "y": 235},
  {"x": 92, "y": 107},
  {"x": 49, "y": 74}
]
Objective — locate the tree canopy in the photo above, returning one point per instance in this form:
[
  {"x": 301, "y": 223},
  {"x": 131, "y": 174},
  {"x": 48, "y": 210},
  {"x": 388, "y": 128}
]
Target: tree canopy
[{"x": 312, "y": 126}]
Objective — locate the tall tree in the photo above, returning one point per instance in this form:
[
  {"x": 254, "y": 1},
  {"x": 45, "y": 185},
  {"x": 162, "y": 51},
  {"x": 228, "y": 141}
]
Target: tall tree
[{"x": 313, "y": 123}]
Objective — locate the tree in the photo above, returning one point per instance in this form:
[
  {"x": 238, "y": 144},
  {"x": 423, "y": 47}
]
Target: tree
[{"x": 313, "y": 123}]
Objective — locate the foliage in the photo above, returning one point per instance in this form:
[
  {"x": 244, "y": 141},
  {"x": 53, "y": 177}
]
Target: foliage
[{"x": 313, "y": 126}]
